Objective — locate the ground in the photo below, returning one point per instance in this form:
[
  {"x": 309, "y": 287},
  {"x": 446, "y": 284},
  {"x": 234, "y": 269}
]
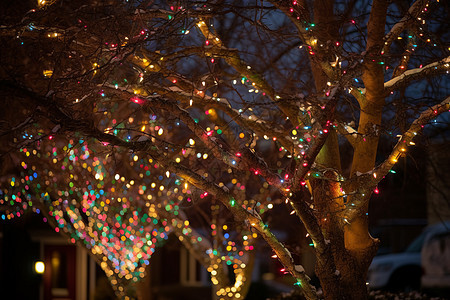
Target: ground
[{"x": 373, "y": 295}]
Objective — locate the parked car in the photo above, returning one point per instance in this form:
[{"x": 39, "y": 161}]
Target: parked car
[
  {"x": 436, "y": 262},
  {"x": 403, "y": 271}
]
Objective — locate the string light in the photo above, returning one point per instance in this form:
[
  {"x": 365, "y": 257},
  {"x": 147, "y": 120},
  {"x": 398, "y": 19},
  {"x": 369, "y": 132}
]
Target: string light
[{"x": 98, "y": 194}]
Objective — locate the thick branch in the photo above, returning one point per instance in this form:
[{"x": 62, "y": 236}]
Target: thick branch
[
  {"x": 348, "y": 132},
  {"x": 370, "y": 180},
  {"x": 435, "y": 68},
  {"x": 251, "y": 123},
  {"x": 243, "y": 68},
  {"x": 292, "y": 11},
  {"x": 413, "y": 12},
  {"x": 170, "y": 106},
  {"x": 310, "y": 156}
]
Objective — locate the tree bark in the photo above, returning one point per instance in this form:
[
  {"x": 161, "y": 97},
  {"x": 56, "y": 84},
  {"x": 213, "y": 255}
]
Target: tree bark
[{"x": 352, "y": 248}]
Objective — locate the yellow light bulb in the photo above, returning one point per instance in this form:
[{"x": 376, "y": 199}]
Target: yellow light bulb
[{"x": 39, "y": 267}]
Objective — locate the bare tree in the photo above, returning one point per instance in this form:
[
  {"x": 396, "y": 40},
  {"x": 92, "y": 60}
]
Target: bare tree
[{"x": 251, "y": 94}]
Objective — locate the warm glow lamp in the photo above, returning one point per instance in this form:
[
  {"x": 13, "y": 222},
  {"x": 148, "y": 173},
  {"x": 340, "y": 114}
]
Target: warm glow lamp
[{"x": 39, "y": 266}]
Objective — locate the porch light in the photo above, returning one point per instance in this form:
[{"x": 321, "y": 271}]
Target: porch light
[{"x": 39, "y": 267}]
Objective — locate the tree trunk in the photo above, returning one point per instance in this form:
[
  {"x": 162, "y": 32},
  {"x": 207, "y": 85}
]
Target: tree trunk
[
  {"x": 353, "y": 251},
  {"x": 144, "y": 287},
  {"x": 351, "y": 286}
]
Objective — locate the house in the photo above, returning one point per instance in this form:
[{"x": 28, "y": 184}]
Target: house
[{"x": 72, "y": 274}]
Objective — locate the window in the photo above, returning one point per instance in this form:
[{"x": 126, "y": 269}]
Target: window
[{"x": 191, "y": 271}]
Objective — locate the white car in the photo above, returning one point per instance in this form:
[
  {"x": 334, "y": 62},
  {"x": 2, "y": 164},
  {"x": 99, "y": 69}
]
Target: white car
[
  {"x": 436, "y": 261},
  {"x": 403, "y": 271}
]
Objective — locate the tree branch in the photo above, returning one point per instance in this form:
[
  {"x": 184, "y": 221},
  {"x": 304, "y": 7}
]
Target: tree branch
[
  {"x": 371, "y": 179},
  {"x": 413, "y": 12},
  {"x": 243, "y": 68},
  {"x": 240, "y": 213},
  {"x": 438, "y": 67},
  {"x": 348, "y": 132}
]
